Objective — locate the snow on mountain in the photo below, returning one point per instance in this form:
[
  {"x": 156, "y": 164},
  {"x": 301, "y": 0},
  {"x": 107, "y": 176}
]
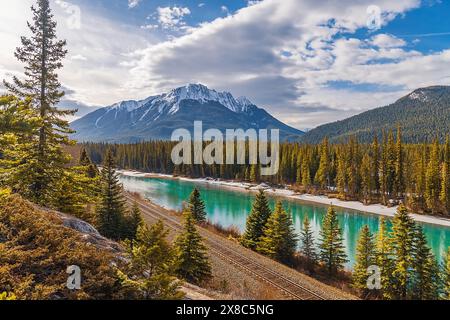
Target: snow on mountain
[
  {"x": 169, "y": 103},
  {"x": 157, "y": 116}
]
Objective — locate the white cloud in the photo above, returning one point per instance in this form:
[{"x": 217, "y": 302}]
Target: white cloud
[
  {"x": 102, "y": 45},
  {"x": 387, "y": 41},
  {"x": 172, "y": 17},
  {"x": 78, "y": 57},
  {"x": 133, "y": 3},
  {"x": 284, "y": 54}
]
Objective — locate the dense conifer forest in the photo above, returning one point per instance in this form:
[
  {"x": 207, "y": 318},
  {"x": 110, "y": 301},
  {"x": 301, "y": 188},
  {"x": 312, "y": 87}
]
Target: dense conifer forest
[{"x": 386, "y": 171}]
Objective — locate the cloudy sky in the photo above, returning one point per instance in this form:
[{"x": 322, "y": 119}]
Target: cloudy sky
[{"x": 307, "y": 62}]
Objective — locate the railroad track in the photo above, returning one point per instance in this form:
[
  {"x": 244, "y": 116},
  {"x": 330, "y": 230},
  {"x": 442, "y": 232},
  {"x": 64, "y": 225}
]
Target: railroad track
[{"x": 283, "y": 284}]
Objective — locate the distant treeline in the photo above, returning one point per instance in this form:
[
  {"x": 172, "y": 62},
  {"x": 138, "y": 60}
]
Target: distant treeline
[{"x": 386, "y": 171}]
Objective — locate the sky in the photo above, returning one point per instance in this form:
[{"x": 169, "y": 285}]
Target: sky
[{"x": 307, "y": 62}]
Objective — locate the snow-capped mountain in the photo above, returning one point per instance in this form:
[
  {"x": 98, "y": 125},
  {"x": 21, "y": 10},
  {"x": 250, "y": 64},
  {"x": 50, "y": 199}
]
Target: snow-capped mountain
[{"x": 157, "y": 116}]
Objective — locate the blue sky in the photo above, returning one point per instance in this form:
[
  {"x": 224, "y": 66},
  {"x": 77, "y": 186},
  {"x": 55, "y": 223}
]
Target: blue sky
[{"x": 307, "y": 62}]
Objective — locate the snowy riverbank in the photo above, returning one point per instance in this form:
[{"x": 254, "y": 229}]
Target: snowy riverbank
[{"x": 353, "y": 205}]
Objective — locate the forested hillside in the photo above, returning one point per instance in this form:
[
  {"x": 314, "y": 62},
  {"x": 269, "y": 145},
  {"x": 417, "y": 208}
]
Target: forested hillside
[{"x": 422, "y": 115}]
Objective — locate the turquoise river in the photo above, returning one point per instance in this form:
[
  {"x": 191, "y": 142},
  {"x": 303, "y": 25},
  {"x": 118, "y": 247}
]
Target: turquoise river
[{"x": 230, "y": 207}]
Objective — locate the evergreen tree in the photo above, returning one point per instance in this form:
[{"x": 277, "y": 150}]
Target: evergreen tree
[
  {"x": 133, "y": 221},
  {"x": 256, "y": 221},
  {"x": 18, "y": 123},
  {"x": 90, "y": 168},
  {"x": 332, "y": 252},
  {"x": 323, "y": 173},
  {"x": 308, "y": 249},
  {"x": 197, "y": 206},
  {"x": 384, "y": 259},
  {"x": 279, "y": 240},
  {"x": 376, "y": 164},
  {"x": 150, "y": 273},
  {"x": 341, "y": 177},
  {"x": 306, "y": 173},
  {"x": 190, "y": 252},
  {"x": 111, "y": 209},
  {"x": 444, "y": 196},
  {"x": 365, "y": 257},
  {"x": 426, "y": 282},
  {"x": 399, "y": 185},
  {"x": 402, "y": 237},
  {"x": 368, "y": 182},
  {"x": 42, "y": 54},
  {"x": 432, "y": 177}
]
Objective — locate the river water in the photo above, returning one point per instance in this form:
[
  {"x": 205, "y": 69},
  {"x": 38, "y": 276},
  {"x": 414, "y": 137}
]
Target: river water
[{"x": 230, "y": 207}]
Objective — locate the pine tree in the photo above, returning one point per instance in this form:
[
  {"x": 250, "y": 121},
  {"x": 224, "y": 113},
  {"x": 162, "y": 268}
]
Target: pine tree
[
  {"x": 150, "y": 273},
  {"x": 376, "y": 164},
  {"x": 399, "y": 184},
  {"x": 18, "y": 123},
  {"x": 306, "y": 173},
  {"x": 426, "y": 282},
  {"x": 190, "y": 252},
  {"x": 42, "y": 54},
  {"x": 341, "y": 177},
  {"x": 432, "y": 187},
  {"x": 90, "y": 168},
  {"x": 332, "y": 252},
  {"x": 133, "y": 221},
  {"x": 365, "y": 257},
  {"x": 308, "y": 249},
  {"x": 111, "y": 209},
  {"x": 402, "y": 237},
  {"x": 384, "y": 259},
  {"x": 444, "y": 196},
  {"x": 197, "y": 206},
  {"x": 279, "y": 240},
  {"x": 323, "y": 173},
  {"x": 368, "y": 182},
  {"x": 256, "y": 221}
]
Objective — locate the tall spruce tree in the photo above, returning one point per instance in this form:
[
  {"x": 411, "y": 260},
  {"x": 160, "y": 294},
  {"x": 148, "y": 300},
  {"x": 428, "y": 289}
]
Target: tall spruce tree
[
  {"x": 426, "y": 282},
  {"x": 323, "y": 173},
  {"x": 112, "y": 208},
  {"x": 133, "y": 220},
  {"x": 367, "y": 180},
  {"x": 365, "y": 257},
  {"x": 279, "y": 240},
  {"x": 308, "y": 249},
  {"x": 42, "y": 54},
  {"x": 256, "y": 221},
  {"x": 332, "y": 250},
  {"x": 444, "y": 195},
  {"x": 197, "y": 206},
  {"x": 399, "y": 183},
  {"x": 432, "y": 178},
  {"x": 190, "y": 252},
  {"x": 401, "y": 242}
]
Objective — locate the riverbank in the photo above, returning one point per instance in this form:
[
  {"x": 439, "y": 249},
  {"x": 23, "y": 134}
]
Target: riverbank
[{"x": 377, "y": 209}]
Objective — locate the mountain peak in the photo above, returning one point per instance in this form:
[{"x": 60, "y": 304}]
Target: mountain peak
[{"x": 202, "y": 93}]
